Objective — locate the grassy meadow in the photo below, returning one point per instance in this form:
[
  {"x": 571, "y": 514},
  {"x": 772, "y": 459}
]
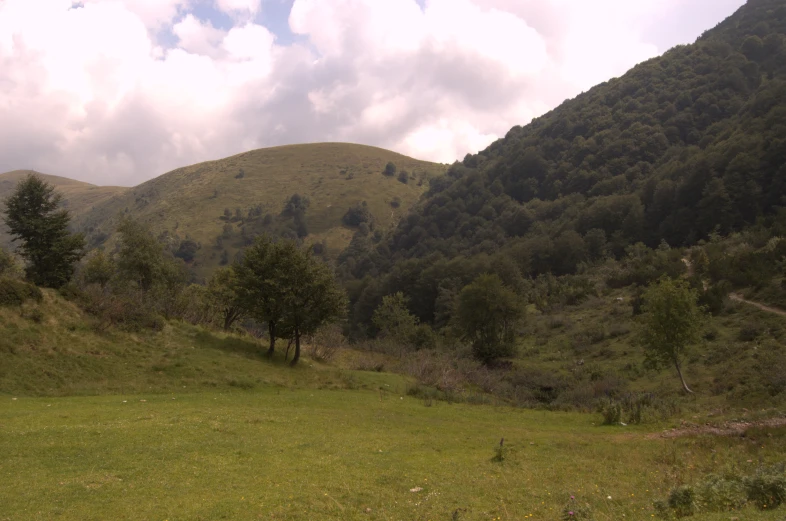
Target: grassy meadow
[
  {"x": 190, "y": 424},
  {"x": 292, "y": 454}
]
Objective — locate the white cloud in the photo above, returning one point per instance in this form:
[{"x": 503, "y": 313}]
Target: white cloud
[
  {"x": 89, "y": 92},
  {"x": 198, "y": 37},
  {"x": 235, "y": 7}
]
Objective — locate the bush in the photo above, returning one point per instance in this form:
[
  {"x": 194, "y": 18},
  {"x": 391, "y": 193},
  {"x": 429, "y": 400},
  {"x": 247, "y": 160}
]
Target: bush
[
  {"x": 611, "y": 411},
  {"x": 15, "y": 292},
  {"x": 749, "y": 333},
  {"x": 390, "y": 169},
  {"x": 325, "y": 343},
  {"x": 682, "y": 500},
  {"x": 767, "y": 489},
  {"x": 34, "y": 315},
  {"x": 717, "y": 494},
  {"x": 358, "y": 214}
]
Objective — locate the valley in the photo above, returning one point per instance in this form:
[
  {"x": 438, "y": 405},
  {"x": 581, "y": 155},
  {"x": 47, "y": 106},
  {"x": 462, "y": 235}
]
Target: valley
[{"x": 586, "y": 320}]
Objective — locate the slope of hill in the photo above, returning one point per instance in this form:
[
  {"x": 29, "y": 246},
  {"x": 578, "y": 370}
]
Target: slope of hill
[
  {"x": 78, "y": 197},
  {"x": 683, "y": 146},
  {"x": 220, "y": 205}
]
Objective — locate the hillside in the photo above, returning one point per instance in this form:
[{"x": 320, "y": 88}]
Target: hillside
[
  {"x": 683, "y": 147},
  {"x": 78, "y": 197},
  {"x": 220, "y": 205}
]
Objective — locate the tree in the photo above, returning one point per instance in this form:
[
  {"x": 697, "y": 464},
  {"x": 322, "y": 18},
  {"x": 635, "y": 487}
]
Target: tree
[
  {"x": 34, "y": 217},
  {"x": 312, "y": 295},
  {"x": 141, "y": 257},
  {"x": 8, "y": 264},
  {"x": 99, "y": 269},
  {"x": 394, "y": 320},
  {"x": 258, "y": 276},
  {"x": 486, "y": 316},
  {"x": 223, "y": 295},
  {"x": 672, "y": 321},
  {"x": 289, "y": 289},
  {"x": 390, "y": 169}
]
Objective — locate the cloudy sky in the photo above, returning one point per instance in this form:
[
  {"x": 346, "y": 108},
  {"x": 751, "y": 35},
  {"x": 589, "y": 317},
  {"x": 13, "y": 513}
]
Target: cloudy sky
[{"x": 119, "y": 91}]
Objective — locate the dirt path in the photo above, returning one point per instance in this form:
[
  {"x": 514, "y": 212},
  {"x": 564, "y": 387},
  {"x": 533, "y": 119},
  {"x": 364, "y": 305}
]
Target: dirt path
[
  {"x": 738, "y": 298},
  {"x": 725, "y": 429}
]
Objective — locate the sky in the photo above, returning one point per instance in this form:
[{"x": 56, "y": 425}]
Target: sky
[{"x": 116, "y": 92}]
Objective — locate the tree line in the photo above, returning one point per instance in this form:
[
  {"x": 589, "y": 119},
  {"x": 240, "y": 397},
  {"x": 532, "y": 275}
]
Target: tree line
[{"x": 140, "y": 283}]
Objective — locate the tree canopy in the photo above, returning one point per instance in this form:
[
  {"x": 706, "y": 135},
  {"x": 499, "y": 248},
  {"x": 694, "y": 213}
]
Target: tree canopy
[
  {"x": 672, "y": 322},
  {"x": 34, "y": 217},
  {"x": 289, "y": 289}
]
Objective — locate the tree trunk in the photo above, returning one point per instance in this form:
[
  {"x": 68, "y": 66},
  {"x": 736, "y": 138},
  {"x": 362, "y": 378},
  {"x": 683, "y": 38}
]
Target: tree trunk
[
  {"x": 289, "y": 346},
  {"x": 297, "y": 347},
  {"x": 230, "y": 316},
  {"x": 271, "y": 330},
  {"x": 682, "y": 379}
]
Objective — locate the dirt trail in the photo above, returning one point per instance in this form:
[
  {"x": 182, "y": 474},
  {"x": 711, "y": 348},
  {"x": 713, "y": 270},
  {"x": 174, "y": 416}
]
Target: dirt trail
[
  {"x": 776, "y": 311},
  {"x": 732, "y": 428}
]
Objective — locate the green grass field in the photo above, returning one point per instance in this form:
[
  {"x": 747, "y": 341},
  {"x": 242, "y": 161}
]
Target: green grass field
[
  {"x": 189, "y": 424},
  {"x": 276, "y": 453}
]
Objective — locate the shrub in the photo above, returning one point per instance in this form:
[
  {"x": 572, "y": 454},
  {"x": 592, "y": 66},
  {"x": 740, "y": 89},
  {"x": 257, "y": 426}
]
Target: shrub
[
  {"x": 767, "y": 488},
  {"x": 611, "y": 411},
  {"x": 749, "y": 333},
  {"x": 682, "y": 500},
  {"x": 15, "y": 292},
  {"x": 717, "y": 494},
  {"x": 325, "y": 343}
]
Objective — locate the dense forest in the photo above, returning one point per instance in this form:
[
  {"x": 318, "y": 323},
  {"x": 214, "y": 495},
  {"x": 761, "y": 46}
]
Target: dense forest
[{"x": 685, "y": 148}]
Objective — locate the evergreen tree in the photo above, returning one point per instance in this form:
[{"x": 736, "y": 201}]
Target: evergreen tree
[{"x": 34, "y": 217}]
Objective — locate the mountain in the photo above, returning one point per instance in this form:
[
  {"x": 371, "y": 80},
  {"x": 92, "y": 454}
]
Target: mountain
[
  {"x": 209, "y": 211},
  {"x": 684, "y": 146}
]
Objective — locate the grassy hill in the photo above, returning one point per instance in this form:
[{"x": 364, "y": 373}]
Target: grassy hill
[
  {"x": 78, "y": 197},
  {"x": 190, "y": 202}
]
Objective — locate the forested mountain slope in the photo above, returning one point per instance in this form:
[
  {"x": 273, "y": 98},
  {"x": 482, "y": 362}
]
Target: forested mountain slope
[{"x": 682, "y": 146}]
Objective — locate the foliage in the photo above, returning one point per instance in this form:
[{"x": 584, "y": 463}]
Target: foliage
[
  {"x": 8, "y": 265},
  {"x": 141, "y": 259},
  {"x": 289, "y": 289},
  {"x": 223, "y": 295},
  {"x": 393, "y": 319},
  {"x": 259, "y": 290},
  {"x": 671, "y": 323},
  {"x": 99, "y": 269},
  {"x": 767, "y": 488},
  {"x": 15, "y": 292},
  {"x": 681, "y": 148},
  {"x": 357, "y": 215},
  {"x": 309, "y": 294},
  {"x": 34, "y": 217},
  {"x": 390, "y": 169},
  {"x": 486, "y": 316}
]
